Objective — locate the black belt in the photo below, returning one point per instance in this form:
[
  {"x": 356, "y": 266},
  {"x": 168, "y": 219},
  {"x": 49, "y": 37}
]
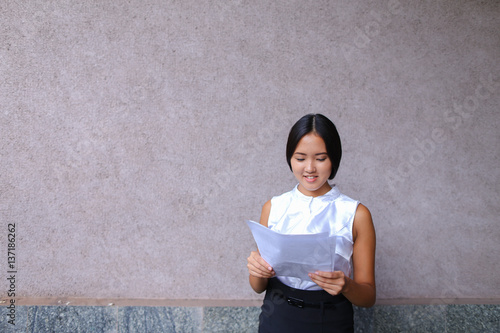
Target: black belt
[
  {"x": 319, "y": 299},
  {"x": 301, "y": 304}
]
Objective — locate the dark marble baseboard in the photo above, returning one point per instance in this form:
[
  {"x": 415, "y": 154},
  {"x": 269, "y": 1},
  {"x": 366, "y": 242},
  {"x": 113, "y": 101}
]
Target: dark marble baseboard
[{"x": 121, "y": 319}]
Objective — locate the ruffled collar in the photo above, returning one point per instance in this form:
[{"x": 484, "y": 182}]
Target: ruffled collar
[{"x": 333, "y": 194}]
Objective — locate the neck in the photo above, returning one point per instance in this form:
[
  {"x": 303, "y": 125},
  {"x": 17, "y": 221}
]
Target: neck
[{"x": 324, "y": 189}]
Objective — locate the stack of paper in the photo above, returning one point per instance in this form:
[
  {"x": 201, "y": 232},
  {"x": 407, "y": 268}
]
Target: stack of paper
[{"x": 294, "y": 255}]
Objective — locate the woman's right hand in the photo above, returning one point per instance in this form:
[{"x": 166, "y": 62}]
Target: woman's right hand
[{"x": 258, "y": 267}]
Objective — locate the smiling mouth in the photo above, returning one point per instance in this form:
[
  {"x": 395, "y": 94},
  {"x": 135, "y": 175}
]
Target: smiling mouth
[{"x": 310, "y": 178}]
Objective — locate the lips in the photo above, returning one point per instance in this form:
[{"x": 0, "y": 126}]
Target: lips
[{"x": 310, "y": 179}]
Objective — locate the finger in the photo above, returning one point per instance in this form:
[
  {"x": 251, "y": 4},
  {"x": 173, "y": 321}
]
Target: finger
[
  {"x": 330, "y": 288},
  {"x": 259, "y": 272},
  {"x": 260, "y": 261},
  {"x": 319, "y": 280},
  {"x": 330, "y": 275},
  {"x": 257, "y": 269},
  {"x": 326, "y": 282}
]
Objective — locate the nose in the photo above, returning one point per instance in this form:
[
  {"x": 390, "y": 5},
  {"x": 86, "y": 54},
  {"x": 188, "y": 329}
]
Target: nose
[{"x": 310, "y": 167}]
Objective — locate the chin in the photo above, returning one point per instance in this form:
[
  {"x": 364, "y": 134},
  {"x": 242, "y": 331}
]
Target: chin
[
  {"x": 313, "y": 188},
  {"x": 310, "y": 188}
]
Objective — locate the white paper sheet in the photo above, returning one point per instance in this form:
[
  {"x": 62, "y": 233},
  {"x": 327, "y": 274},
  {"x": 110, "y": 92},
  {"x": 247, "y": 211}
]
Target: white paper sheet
[{"x": 294, "y": 255}]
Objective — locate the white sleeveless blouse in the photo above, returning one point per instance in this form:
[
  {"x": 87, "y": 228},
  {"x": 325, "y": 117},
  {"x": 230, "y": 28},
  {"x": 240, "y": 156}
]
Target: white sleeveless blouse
[{"x": 295, "y": 213}]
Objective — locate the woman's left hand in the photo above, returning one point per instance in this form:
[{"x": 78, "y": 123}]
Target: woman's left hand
[{"x": 333, "y": 283}]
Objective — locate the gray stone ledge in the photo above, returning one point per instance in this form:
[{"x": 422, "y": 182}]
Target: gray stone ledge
[
  {"x": 117, "y": 319},
  {"x": 81, "y": 301}
]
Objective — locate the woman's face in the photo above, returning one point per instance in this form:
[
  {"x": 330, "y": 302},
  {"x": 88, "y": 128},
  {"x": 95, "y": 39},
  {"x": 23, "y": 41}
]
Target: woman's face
[{"x": 311, "y": 165}]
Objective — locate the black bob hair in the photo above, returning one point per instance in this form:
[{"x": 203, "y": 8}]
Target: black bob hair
[{"x": 322, "y": 126}]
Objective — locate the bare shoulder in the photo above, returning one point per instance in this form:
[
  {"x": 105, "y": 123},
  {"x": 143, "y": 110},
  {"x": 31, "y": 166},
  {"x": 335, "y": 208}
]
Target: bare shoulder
[
  {"x": 264, "y": 216},
  {"x": 362, "y": 213},
  {"x": 363, "y": 223}
]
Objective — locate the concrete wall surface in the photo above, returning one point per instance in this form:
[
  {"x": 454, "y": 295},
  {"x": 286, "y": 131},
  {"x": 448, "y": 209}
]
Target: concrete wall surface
[{"x": 137, "y": 136}]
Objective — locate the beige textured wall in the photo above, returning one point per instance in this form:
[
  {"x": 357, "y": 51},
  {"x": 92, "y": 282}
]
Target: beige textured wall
[{"x": 136, "y": 136}]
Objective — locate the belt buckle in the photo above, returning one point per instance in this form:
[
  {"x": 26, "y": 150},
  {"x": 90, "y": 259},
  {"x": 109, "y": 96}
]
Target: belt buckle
[{"x": 295, "y": 302}]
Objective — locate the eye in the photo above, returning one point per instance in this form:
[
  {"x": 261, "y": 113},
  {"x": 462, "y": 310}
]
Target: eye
[
  {"x": 321, "y": 159},
  {"x": 300, "y": 159}
]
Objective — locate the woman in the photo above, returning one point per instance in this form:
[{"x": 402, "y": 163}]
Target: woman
[{"x": 323, "y": 303}]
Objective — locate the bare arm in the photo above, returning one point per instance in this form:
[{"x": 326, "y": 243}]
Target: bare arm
[
  {"x": 361, "y": 289},
  {"x": 258, "y": 268}
]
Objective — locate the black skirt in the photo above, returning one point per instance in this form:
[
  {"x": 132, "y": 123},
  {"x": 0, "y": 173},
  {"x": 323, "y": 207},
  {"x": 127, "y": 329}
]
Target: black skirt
[{"x": 290, "y": 310}]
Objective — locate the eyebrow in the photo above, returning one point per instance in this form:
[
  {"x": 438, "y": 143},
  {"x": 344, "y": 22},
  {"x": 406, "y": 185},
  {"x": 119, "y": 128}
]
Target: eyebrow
[{"x": 298, "y": 153}]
